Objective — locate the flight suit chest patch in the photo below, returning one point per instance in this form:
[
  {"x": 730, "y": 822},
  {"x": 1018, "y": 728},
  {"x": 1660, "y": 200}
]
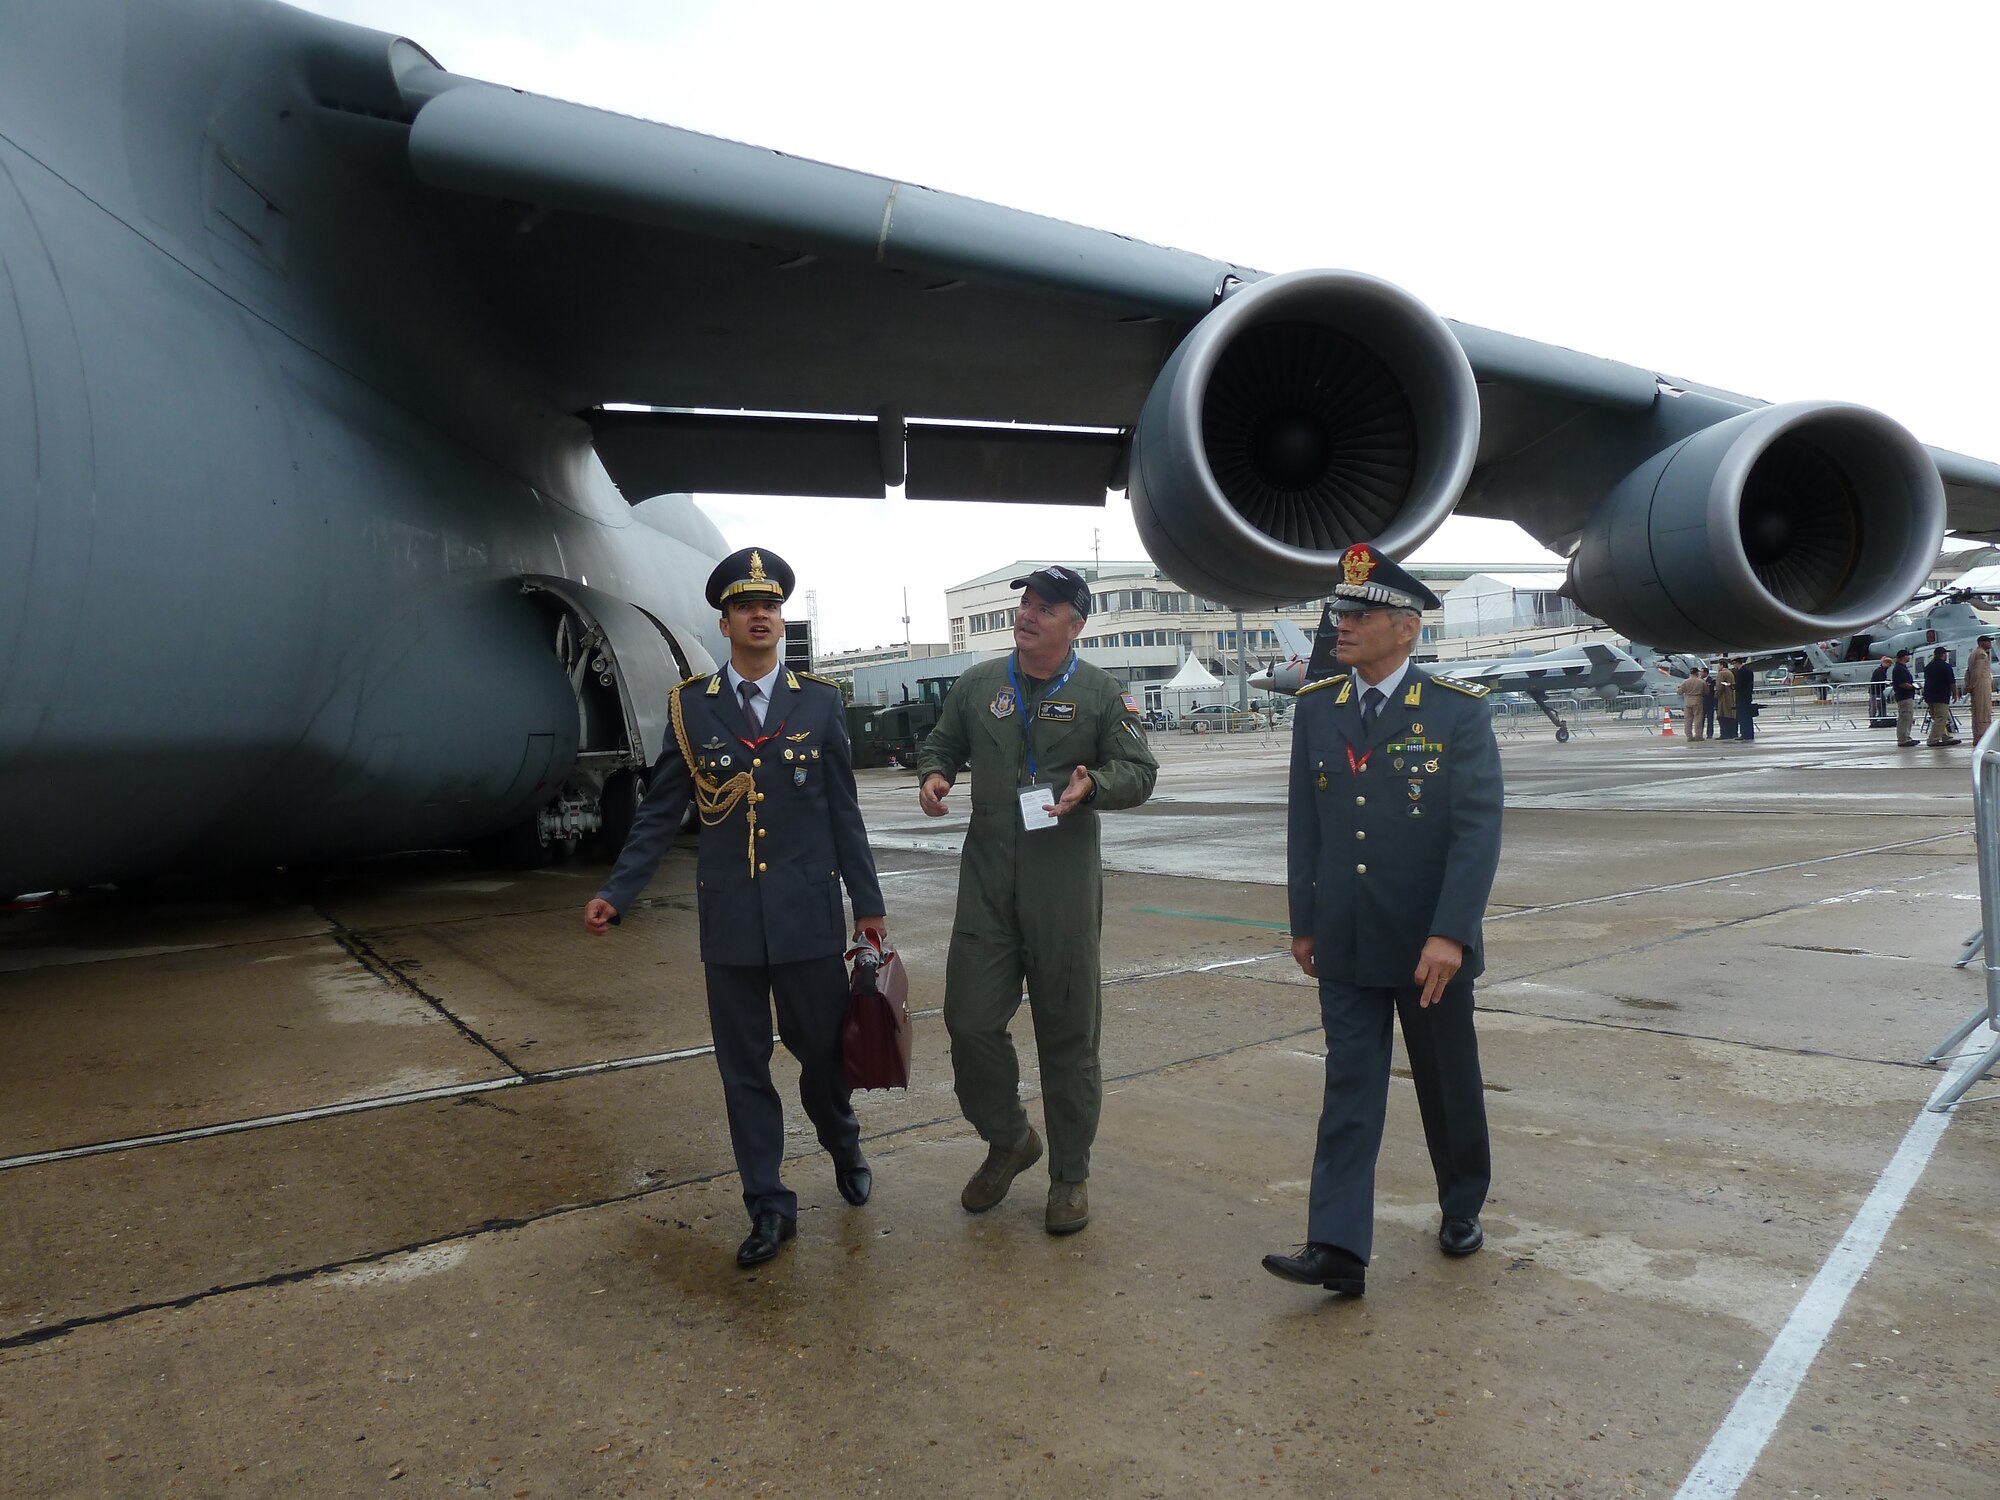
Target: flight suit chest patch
[{"x": 1064, "y": 711}]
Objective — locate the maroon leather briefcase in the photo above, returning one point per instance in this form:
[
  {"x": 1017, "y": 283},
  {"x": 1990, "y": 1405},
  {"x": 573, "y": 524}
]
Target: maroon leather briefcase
[{"x": 875, "y": 1041}]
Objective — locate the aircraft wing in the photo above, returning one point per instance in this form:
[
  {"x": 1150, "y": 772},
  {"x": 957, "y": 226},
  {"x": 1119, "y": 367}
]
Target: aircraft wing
[{"x": 814, "y": 330}]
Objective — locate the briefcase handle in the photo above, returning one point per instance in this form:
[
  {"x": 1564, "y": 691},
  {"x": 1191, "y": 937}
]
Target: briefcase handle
[{"x": 866, "y": 942}]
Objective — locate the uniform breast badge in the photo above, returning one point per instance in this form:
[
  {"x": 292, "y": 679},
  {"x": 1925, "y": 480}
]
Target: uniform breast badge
[
  {"x": 1416, "y": 790},
  {"x": 1322, "y": 781},
  {"x": 1002, "y": 704},
  {"x": 798, "y": 775},
  {"x": 1431, "y": 764}
]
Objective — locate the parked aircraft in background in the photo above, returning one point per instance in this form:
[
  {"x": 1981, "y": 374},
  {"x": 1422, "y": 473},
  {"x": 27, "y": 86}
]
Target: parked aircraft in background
[
  {"x": 348, "y": 408},
  {"x": 1608, "y": 672},
  {"x": 1952, "y": 623}
]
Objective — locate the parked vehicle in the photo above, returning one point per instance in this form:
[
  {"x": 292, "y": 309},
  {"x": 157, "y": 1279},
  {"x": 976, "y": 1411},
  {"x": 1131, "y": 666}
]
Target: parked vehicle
[{"x": 1221, "y": 718}]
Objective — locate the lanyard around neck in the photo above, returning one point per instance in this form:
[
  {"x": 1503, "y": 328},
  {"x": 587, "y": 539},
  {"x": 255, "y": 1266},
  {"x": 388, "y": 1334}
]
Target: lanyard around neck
[{"x": 1024, "y": 708}]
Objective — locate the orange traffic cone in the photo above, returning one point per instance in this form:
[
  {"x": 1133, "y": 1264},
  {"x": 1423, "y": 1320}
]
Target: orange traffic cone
[{"x": 1666, "y": 723}]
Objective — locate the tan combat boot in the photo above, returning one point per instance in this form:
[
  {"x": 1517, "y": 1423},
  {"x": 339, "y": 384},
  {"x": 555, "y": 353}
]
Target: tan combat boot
[
  {"x": 1003, "y": 1164},
  {"x": 1069, "y": 1207}
]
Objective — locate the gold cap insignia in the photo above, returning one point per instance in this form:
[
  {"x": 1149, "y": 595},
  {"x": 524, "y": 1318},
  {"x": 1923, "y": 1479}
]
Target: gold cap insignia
[
  {"x": 757, "y": 567},
  {"x": 1357, "y": 563}
]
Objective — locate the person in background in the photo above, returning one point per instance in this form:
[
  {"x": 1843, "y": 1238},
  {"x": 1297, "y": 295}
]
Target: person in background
[
  {"x": 1979, "y": 686},
  {"x": 1725, "y": 697},
  {"x": 1707, "y": 703},
  {"x": 1940, "y": 692},
  {"x": 1693, "y": 691},
  {"x": 1746, "y": 700},
  {"x": 1903, "y": 689},
  {"x": 1878, "y": 692}
]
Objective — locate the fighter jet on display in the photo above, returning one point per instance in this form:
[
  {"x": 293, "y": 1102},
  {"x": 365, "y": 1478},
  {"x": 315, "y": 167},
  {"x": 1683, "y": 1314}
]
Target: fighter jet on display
[
  {"x": 1609, "y": 672},
  {"x": 348, "y": 407}
]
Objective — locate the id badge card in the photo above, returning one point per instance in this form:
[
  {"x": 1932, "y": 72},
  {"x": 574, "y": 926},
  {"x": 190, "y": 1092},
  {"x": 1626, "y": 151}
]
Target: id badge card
[{"x": 1035, "y": 804}]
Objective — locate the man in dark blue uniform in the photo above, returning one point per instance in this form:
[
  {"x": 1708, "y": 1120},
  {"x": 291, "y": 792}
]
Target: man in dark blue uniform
[
  {"x": 764, "y": 753},
  {"x": 1393, "y": 839}
]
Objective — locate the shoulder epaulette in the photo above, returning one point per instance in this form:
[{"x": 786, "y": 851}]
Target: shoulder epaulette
[
  {"x": 1470, "y": 689},
  {"x": 1313, "y": 687},
  {"x": 823, "y": 681}
]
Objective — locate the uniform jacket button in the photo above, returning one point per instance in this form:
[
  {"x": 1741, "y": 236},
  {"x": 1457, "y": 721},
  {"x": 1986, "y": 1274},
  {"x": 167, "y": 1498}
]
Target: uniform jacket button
[
  {"x": 1360, "y": 801},
  {"x": 754, "y": 763},
  {"x": 1361, "y": 869},
  {"x": 762, "y": 868},
  {"x": 1360, "y": 833},
  {"x": 762, "y": 831}
]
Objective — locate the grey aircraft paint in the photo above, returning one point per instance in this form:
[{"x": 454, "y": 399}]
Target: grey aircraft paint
[{"x": 346, "y": 405}]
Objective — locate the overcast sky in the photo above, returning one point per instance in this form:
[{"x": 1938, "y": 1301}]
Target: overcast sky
[{"x": 1789, "y": 200}]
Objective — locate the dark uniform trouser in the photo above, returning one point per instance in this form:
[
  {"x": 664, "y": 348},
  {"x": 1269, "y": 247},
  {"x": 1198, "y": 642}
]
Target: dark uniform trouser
[
  {"x": 811, "y": 1001},
  {"x": 1444, "y": 1065},
  {"x": 1746, "y": 720},
  {"x": 982, "y": 989}
]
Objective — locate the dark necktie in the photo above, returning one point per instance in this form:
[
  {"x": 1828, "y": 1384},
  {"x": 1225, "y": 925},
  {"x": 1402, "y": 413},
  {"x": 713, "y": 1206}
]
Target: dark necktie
[
  {"x": 749, "y": 692},
  {"x": 1371, "y": 705}
]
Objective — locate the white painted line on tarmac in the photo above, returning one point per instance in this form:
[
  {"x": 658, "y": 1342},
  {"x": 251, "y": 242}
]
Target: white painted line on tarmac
[{"x": 1739, "y": 1442}]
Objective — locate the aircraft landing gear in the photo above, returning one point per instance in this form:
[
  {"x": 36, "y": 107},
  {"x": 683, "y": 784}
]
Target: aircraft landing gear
[{"x": 1562, "y": 729}]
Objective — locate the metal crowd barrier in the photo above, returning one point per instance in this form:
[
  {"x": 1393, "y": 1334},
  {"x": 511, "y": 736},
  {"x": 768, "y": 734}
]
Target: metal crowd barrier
[{"x": 1986, "y": 824}]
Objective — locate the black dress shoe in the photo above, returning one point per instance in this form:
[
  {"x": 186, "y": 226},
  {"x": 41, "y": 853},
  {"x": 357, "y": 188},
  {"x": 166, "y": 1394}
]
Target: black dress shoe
[
  {"x": 1460, "y": 1236},
  {"x": 856, "y": 1182},
  {"x": 767, "y": 1232},
  {"x": 1329, "y": 1266}
]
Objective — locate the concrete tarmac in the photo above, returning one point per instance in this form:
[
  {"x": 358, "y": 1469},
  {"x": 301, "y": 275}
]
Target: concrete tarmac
[{"x": 402, "y": 1184}]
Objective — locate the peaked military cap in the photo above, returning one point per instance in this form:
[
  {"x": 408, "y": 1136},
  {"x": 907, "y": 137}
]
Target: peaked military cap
[
  {"x": 753, "y": 573},
  {"x": 1369, "y": 580}
]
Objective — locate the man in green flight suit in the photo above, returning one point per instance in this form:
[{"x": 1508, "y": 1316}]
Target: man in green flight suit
[{"x": 1052, "y": 741}]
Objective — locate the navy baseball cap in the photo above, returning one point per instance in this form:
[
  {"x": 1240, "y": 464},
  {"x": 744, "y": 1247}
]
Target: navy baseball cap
[{"x": 1059, "y": 585}]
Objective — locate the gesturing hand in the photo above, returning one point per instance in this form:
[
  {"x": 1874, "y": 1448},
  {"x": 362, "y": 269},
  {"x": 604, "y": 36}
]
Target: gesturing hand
[
  {"x": 598, "y": 916},
  {"x": 931, "y": 795},
  {"x": 1072, "y": 796}
]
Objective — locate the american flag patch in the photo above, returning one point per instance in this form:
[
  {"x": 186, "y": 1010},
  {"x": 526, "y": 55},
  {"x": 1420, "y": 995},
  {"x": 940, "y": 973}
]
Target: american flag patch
[{"x": 1131, "y": 703}]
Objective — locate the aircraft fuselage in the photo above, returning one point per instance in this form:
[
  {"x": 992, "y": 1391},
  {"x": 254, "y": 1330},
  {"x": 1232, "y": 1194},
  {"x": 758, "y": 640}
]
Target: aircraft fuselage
[{"x": 269, "y": 479}]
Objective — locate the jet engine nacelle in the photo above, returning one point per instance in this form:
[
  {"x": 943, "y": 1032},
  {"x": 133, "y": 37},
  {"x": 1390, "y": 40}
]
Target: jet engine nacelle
[
  {"x": 1785, "y": 524},
  {"x": 1309, "y": 411}
]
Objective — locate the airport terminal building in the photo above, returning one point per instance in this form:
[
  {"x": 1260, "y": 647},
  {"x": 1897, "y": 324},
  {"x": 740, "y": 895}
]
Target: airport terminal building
[{"x": 1143, "y": 627}]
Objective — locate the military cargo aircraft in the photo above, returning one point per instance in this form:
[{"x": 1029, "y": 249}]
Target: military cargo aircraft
[{"x": 348, "y": 406}]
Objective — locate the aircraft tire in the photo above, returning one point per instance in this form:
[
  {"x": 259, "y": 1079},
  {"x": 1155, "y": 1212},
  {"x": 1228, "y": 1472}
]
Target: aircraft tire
[
  {"x": 520, "y": 847},
  {"x": 619, "y": 805},
  {"x": 1562, "y": 736}
]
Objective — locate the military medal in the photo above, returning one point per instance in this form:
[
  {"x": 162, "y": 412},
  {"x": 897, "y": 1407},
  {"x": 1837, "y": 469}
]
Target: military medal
[{"x": 1356, "y": 767}]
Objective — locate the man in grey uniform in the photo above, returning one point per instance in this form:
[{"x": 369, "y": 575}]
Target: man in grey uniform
[
  {"x": 1393, "y": 838},
  {"x": 1052, "y": 741},
  {"x": 764, "y": 753}
]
